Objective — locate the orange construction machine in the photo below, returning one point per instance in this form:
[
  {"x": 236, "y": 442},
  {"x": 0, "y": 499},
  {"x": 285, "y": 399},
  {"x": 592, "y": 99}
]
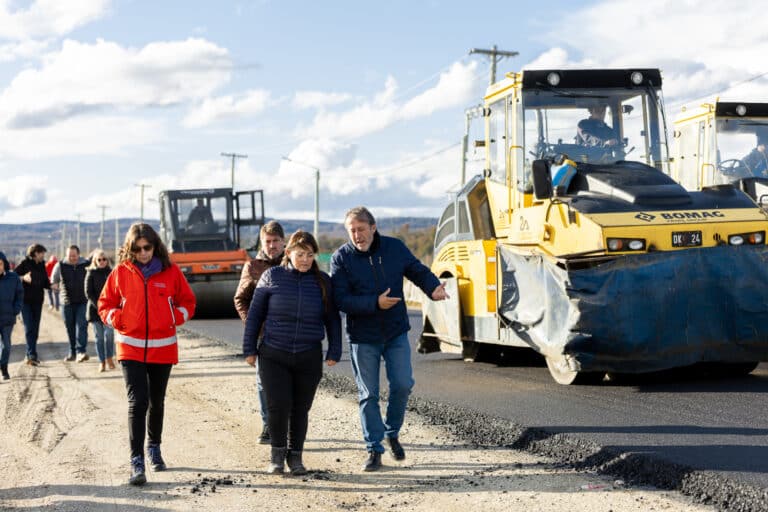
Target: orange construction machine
[{"x": 202, "y": 229}]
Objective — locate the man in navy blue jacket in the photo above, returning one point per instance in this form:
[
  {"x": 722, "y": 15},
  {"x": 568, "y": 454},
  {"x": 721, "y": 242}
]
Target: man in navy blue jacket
[{"x": 367, "y": 274}]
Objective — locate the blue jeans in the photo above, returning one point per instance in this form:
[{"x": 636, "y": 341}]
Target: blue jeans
[
  {"x": 53, "y": 299},
  {"x": 262, "y": 396},
  {"x": 77, "y": 326},
  {"x": 366, "y": 363},
  {"x": 5, "y": 347},
  {"x": 30, "y": 314},
  {"x": 105, "y": 340}
]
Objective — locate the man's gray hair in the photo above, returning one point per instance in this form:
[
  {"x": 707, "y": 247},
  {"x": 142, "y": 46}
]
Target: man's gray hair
[{"x": 360, "y": 213}]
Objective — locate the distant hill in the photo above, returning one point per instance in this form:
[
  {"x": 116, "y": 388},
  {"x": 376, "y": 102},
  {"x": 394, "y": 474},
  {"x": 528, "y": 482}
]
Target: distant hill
[{"x": 15, "y": 238}]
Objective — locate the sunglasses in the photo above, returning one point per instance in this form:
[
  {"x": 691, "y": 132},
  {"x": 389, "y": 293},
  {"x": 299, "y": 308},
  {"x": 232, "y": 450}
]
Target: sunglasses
[
  {"x": 101, "y": 259},
  {"x": 145, "y": 248}
]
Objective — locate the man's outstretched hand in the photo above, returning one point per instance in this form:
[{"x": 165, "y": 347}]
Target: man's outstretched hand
[
  {"x": 386, "y": 302},
  {"x": 439, "y": 293}
]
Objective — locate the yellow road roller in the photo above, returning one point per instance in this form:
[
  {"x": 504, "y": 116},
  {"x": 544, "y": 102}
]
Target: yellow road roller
[
  {"x": 719, "y": 143},
  {"x": 576, "y": 242}
]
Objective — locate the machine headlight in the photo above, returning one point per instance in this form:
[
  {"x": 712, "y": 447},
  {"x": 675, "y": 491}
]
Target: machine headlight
[
  {"x": 625, "y": 244},
  {"x": 636, "y": 77},
  {"x": 755, "y": 238},
  {"x": 237, "y": 267},
  {"x": 553, "y": 79},
  {"x": 741, "y": 109},
  {"x": 186, "y": 270}
]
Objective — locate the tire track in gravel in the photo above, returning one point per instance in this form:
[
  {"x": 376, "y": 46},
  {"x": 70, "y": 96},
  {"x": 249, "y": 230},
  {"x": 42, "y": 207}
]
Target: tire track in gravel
[{"x": 38, "y": 409}]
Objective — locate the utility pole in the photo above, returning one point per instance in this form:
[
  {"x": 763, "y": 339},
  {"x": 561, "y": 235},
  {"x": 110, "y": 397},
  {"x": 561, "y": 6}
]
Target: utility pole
[
  {"x": 101, "y": 231},
  {"x": 141, "y": 209},
  {"x": 87, "y": 241},
  {"x": 117, "y": 239},
  {"x": 233, "y": 156},
  {"x": 495, "y": 55},
  {"x": 317, "y": 195}
]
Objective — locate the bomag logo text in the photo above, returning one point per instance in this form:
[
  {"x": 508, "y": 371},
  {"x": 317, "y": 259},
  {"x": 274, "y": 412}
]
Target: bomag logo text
[{"x": 692, "y": 215}]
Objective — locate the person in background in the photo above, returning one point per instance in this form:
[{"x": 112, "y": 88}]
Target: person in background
[
  {"x": 594, "y": 131},
  {"x": 144, "y": 299},
  {"x": 53, "y": 295},
  {"x": 367, "y": 274},
  {"x": 757, "y": 159},
  {"x": 11, "y": 300},
  {"x": 35, "y": 282},
  {"x": 270, "y": 253},
  {"x": 294, "y": 304},
  {"x": 95, "y": 279},
  {"x": 69, "y": 277}
]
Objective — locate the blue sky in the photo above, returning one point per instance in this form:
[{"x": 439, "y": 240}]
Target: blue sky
[{"x": 99, "y": 95}]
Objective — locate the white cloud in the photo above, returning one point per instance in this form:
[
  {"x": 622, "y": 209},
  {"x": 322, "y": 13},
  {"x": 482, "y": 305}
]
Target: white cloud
[
  {"x": 88, "y": 135},
  {"x": 213, "y": 110},
  {"x": 89, "y": 77},
  {"x": 22, "y": 191},
  {"x": 317, "y": 99},
  {"x": 47, "y": 18},
  {"x": 456, "y": 87},
  {"x": 722, "y": 50},
  {"x": 22, "y": 50}
]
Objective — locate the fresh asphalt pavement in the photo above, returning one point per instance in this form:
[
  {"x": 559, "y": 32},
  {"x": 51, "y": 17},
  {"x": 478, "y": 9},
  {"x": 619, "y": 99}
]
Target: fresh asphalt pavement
[{"x": 710, "y": 424}]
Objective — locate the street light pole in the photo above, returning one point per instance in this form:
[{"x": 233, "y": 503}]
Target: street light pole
[
  {"x": 233, "y": 156},
  {"x": 316, "y": 228},
  {"x": 101, "y": 231},
  {"x": 141, "y": 209}
]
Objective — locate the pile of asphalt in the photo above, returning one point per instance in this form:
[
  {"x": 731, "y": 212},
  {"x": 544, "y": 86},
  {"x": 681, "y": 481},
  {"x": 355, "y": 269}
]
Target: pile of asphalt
[{"x": 635, "y": 469}]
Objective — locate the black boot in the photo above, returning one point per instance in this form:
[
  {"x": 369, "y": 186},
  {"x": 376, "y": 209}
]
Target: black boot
[
  {"x": 277, "y": 465},
  {"x": 155, "y": 457},
  {"x": 138, "y": 476},
  {"x": 265, "y": 438},
  {"x": 295, "y": 464},
  {"x": 373, "y": 463},
  {"x": 4, "y": 370}
]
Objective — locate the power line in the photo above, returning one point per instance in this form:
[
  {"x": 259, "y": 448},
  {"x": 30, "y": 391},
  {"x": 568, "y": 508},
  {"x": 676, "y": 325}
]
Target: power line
[
  {"x": 407, "y": 164},
  {"x": 720, "y": 91}
]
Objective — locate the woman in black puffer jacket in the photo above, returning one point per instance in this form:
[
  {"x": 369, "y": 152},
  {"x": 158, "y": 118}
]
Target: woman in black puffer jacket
[
  {"x": 11, "y": 299},
  {"x": 95, "y": 279},
  {"x": 293, "y": 302}
]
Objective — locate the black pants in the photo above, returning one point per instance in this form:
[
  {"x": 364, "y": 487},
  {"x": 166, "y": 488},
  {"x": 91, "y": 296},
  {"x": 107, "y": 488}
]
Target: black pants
[
  {"x": 145, "y": 384},
  {"x": 290, "y": 381}
]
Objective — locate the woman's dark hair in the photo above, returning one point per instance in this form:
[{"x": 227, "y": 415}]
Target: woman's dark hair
[
  {"x": 35, "y": 248},
  {"x": 145, "y": 231},
  {"x": 303, "y": 240}
]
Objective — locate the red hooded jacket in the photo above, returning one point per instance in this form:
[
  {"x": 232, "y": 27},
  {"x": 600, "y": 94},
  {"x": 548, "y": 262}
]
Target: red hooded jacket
[{"x": 145, "y": 312}]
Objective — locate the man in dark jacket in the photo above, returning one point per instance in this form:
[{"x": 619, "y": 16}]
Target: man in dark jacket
[
  {"x": 272, "y": 241},
  {"x": 69, "y": 275},
  {"x": 757, "y": 159},
  {"x": 593, "y": 131},
  {"x": 367, "y": 275},
  {"x": 11, "y": 299},
  {"x": 35, "y": 281}
]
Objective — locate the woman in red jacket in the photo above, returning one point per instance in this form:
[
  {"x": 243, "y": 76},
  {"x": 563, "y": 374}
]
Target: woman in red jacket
[{"x": 144, "y": 299}]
